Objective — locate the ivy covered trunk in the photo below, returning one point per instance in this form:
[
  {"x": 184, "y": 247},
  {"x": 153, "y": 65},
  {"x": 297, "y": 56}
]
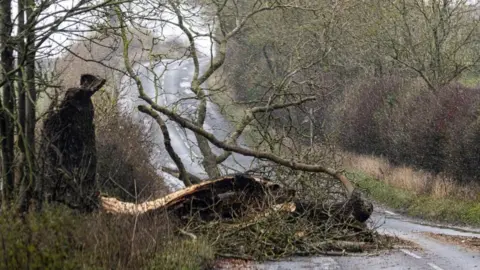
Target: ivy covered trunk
[{"x": 69, "y": 146}]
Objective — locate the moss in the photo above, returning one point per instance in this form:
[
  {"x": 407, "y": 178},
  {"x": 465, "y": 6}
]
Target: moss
[{"x": 427, "y": 207}]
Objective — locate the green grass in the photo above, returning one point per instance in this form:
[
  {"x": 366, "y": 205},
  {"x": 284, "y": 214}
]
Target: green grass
[
  {"x": 447, "y": 210},
  {"x": 470, "y": 79}
]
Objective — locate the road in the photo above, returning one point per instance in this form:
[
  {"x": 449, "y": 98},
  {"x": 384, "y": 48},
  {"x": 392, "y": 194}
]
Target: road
[
  {"x": 172, "y": 89},
  {"x": 432, "y": 254}
]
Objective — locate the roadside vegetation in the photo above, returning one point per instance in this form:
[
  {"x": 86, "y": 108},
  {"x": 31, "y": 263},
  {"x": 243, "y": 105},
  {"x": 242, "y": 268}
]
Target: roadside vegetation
[
  {"x": 416, "y": 193},
  {"x": 59, "y": 238},
  {"x": 449, "y": 210}
]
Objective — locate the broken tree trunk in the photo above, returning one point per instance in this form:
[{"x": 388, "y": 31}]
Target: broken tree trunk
[
  {"x": 235, "y": 196},
  {"x": 226, "y": 197},
  {"x": 68, "y": 142}
]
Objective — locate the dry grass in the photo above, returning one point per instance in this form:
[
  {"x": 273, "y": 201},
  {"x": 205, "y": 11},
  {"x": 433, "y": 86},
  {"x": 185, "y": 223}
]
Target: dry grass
[{"x": 407, "y": 178}]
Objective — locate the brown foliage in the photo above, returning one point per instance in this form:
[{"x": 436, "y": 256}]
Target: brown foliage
[
  {"x": 410, "y": 124},
  {"x": 124, "y": 169}
]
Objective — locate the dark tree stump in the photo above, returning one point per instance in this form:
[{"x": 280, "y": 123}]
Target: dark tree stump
[{"x": 68, "y": 144}]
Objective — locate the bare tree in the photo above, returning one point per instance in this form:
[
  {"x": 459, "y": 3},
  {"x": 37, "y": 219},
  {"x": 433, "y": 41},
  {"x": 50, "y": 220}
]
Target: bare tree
[
  {"x": 224, "y": 20},
  {"x": 7, "y": 109},
  {"x": 437, "y": 39}
]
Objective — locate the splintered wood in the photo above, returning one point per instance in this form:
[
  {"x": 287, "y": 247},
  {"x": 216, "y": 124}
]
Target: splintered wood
[{"x": 226, "y": 197}]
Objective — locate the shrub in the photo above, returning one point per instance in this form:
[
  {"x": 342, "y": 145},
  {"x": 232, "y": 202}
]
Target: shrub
[
  {"x": 38, "y": 241},
  {"x": 124, "y": 153},
  {"x": 410, "y": 124}
]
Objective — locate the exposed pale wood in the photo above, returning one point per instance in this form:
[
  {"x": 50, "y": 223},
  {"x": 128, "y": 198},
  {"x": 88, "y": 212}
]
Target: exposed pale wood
[
  {"x": 222, "y": 186},
  {"x": 237, "y": 196}
]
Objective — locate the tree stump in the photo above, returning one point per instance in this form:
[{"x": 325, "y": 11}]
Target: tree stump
[{"x": 68, "y": 145}]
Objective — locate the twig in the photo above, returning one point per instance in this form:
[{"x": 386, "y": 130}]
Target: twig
[{"x": 191, "y": 235}]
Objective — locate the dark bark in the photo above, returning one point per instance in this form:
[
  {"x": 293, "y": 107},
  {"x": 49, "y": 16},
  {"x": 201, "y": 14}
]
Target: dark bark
[
  {"x": 22, "y": 173},
  {"x": 7, "y": 108},
  {"x": 69, "y": 148},
  {"x": 29, "y": 111},
  {"x": 20, "y": 81}
]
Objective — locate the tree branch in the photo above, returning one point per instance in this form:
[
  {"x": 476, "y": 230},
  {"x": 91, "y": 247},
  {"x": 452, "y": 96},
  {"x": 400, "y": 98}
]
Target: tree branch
[
  {"x": 249, "y": 116},
  {"x": 183, "y": 175},
  {"x": 293, "y": 164}
]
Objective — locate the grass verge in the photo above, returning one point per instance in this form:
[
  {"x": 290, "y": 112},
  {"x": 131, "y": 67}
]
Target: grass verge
[
  {"x": 449, "y": 210},
  {"x": 59, "y": 238}
]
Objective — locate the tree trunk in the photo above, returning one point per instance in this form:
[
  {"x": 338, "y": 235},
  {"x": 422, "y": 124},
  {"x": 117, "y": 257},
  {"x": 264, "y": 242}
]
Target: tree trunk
[
  {"x": 30, "y": 103},
  {"x": 7, "y": 108},
  {"x": 22, "y": 173},
  {"x": 183, "y": 174},
  {"x": 68, "y": 146},
  {"x": 209, "y": 161}
]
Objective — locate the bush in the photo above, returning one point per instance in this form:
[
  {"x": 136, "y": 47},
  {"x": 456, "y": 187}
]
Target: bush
[
  {"x": 37, "y": 242},
  {"x": 410, "y": 124},
  {"x": 124, "y": 169}
]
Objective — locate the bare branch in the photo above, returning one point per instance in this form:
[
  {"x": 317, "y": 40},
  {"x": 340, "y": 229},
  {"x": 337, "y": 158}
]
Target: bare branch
[
  {"x": 183, "y": 175},
  {"x": 293, "y": 164}
]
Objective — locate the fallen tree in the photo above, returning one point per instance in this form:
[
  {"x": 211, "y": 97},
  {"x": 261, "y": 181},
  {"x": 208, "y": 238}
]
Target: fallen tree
[
  {"x": 255, "y": 218},
  {"x": 234, "y": 196},
  {"x": 224, "y": 197}
]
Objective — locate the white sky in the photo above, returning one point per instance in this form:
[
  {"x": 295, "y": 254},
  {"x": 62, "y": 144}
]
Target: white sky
[{"x": 140, "y": 8}]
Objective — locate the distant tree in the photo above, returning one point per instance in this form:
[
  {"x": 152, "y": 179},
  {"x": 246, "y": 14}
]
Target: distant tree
[{"x": 438, "y": 39}]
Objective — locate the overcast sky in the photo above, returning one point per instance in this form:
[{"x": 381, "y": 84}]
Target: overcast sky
[{"x": 80, "y": 24}]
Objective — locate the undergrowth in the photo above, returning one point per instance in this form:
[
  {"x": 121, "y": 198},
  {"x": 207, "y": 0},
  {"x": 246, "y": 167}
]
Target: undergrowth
[{"x": 59, "y": 238}]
